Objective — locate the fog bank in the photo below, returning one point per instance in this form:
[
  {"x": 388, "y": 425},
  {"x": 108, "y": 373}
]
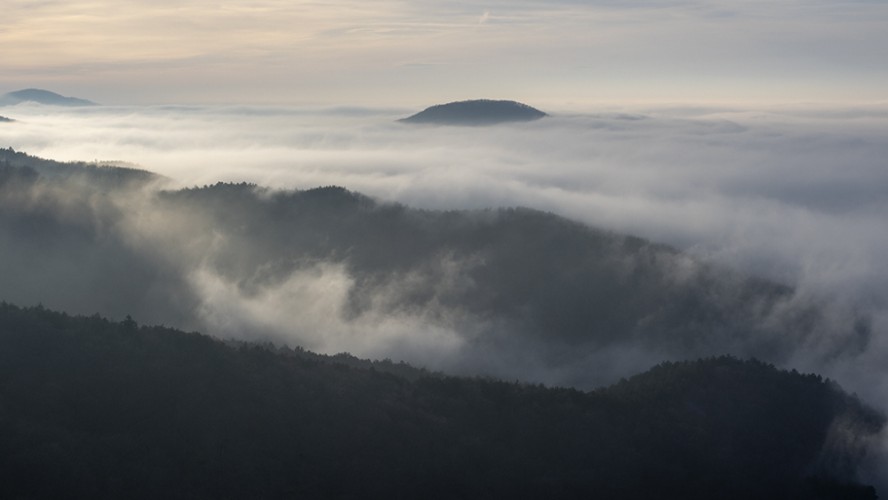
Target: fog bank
[{"x": 795, "y": 194}]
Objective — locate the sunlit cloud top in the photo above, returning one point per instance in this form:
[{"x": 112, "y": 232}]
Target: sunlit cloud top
[{"x": 387, "y": 51}]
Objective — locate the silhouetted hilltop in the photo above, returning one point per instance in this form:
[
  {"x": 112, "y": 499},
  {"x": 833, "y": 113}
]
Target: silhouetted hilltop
[
  {"x": 476, "y": 112},
  {"x": 41, "y": 96},
  {"x": 99, "y": 409}
]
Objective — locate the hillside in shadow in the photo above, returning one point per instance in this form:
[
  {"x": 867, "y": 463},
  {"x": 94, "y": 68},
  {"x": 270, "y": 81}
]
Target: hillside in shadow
[
  {"x": 94, "y": 408},
  {"x": 511, "y": 292}
]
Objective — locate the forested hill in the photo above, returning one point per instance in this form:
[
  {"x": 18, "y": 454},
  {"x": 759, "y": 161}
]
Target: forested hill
[
  {"x": 106, "y": 175},
  {"x": 476, "y": 112},
  {"x": 510, "y": 292},
  {"x": 91, "y": 408}
]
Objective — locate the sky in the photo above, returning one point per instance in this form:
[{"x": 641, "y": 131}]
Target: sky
[{"x": 562, "y": 53}]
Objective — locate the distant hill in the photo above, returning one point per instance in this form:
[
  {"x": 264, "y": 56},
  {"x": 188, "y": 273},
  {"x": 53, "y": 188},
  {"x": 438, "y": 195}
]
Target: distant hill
[
  {"x": 100, "y": 409},
  {"x": 4, "y": 119},
  {"x": 476, "y": 112},
  {"x": 103, "y": 175},
  {"x": 41, "y": 96}
]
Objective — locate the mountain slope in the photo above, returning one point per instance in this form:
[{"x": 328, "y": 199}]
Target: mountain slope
[
  {"x": 102, "y": 176},
  {"x": 476, "y": 112},
  {"x": 41, "y": 96},
  {"x": 98, "y": 409},
  {"x": 515, "y": 293}
]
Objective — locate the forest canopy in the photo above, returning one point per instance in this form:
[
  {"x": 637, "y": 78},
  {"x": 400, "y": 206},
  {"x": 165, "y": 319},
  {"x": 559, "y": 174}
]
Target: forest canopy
[{"x": 93, "y": 408}]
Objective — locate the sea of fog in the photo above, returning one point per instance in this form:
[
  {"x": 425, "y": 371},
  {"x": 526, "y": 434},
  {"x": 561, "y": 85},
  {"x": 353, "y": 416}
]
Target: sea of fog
[{"x": 797, "y": 194}]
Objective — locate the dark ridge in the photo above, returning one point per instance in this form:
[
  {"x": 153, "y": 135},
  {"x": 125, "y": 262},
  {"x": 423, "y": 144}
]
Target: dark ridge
[
  {"x": 98, "y": 174},
  {"x": 520, "y": 283},
  {"x": 4, "y": 119},
  {"x": 41, "y": 96},
  {"x": 94, "y": 408},
  {"x": 476, "y": 112}
]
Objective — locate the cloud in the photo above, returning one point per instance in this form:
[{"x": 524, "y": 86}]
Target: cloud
[
  {"x": 794, "y": 194},
  {"x": 307, "y": 309},
  {"x": 733, "y": 180}
]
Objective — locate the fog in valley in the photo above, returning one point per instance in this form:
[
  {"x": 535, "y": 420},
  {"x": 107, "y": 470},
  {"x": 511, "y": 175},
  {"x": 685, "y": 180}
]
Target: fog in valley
[
  {"x": 772, "y": 221},
  {"x": 795, "y": 195}
]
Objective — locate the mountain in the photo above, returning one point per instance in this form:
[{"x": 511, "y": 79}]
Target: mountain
[
  {"x": 4, "y": 119},
  {"x": 94, "y": 408},
  {"x": 513, "y": 292},
  {"x": 476, "y": 112},
  {"x": 41, "y": 97}
]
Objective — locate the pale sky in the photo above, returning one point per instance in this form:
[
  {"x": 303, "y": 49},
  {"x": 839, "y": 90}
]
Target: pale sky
[{"x": 413, "y": 52}]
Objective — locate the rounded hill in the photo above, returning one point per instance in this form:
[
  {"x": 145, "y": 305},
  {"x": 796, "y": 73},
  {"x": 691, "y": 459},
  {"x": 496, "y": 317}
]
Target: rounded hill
[
  {"x": 476, "y": 112},
  {"x": 41, "y": 96}
]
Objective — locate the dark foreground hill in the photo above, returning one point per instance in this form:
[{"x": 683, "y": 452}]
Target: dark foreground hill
[
  {"x": 41, "y": 96},
  {"x": 476, "y": 112},
  {"x": 91, "y": 408}
]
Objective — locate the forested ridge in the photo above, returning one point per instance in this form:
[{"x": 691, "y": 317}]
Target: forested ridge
[
  {"x": 93, "y": 408},
  {"x": 517, "y": 287},
  {"x": 98, "y": 408},
  {"x": 24, "y": 168}
]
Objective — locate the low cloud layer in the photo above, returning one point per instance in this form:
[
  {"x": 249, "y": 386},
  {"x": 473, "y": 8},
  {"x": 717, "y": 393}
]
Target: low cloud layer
[
  {"x": 793, "y": 194},
  {"x": 796, "y": 195}
]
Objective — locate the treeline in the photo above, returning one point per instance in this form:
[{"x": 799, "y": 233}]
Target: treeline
[{"x": 92, "y": 408}]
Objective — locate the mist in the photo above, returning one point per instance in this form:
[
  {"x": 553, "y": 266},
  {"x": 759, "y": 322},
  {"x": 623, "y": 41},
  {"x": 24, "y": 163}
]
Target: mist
[{"x": 795, "y": 195}]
